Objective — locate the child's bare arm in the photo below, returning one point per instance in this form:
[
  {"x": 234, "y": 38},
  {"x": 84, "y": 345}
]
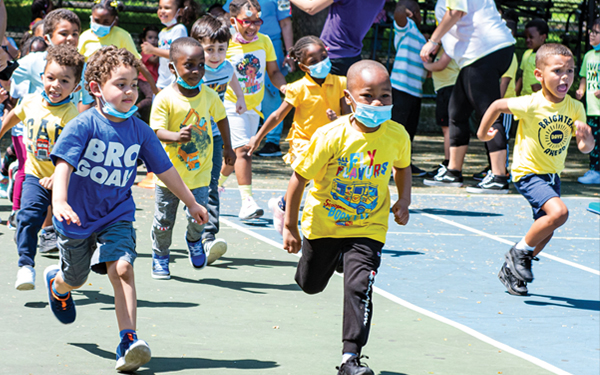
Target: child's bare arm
[
  {"x": 584, "y": 137},
  {"x": 345, "y": 107},
  {"x": 581, "y": 90},
  {"x": 403, "y": 180},
  {"x": 491, "y": 115},
  {"x": 438, "y": 66},
  {"x": 167, "y": 136},
  {"x": 291, "y": 235},
  {"x": 61, "y": 210},
  {"x": 240, "y": 105},
  {"x": 146, "y": 73},
  {"x": 8, "y": 122},
  {"x": 274, "y": 119},
  {"x": 228, "y": 153},
  {"x": 519, "y": 86},
  {"x": 276, "y": 77},
  {"x": 504, "y": 82},
  {"x": 174, "y": 183}
]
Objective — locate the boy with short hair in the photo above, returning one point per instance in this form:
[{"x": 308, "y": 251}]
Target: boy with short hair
[
  {"x": 181, "y": 117},
  {"x": 548, "y": 120},
  {"x": 44, "y": 115},
  {"x": 536, "y": 32},
  {"x": 96, "y": 161},
  {"x": 346, "y": 212}
]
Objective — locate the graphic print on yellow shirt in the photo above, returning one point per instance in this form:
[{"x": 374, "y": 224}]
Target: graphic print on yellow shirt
[
  {"x": 543, "y": 134},
  {"x": 351, "y": 171}
]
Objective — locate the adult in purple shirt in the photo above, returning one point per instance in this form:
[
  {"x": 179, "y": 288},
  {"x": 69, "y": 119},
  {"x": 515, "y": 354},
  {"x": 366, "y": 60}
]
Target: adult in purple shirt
[{"x": 346, "y": 25}]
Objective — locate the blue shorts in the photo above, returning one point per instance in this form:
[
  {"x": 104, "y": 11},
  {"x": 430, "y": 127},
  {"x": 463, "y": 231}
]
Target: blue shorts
[
  {"x": 115, "y": 242},
  {"x": 539, "y": 189}
]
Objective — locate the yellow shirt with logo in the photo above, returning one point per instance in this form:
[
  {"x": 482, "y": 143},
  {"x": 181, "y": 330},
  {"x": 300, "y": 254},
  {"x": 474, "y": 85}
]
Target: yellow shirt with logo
[
  {"x": 544, "y": 133},
  {"x": 173, "y": 111},
  {"x": 311, "y": 102},
  {"x": 90, "y": 42},
  {"x": 250, "y": 67},
  {"x": 446, "y": 77},
  {"x": 528, "y": 68},
  {"x": 512, "y": 74},
  {"x": 351, "y": 172},
  {"x": 43, "y": 124}
]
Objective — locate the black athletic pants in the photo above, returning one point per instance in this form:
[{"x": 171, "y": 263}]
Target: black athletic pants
[
  {"x": 362, "y": 257},
  {"x": 406, "y": 111}
]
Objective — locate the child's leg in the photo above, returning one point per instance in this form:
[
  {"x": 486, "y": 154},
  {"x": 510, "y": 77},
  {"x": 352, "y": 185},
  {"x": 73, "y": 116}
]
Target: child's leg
[
  {"x": 193, "y": 235},
  {"x": 122, "y": 278},
  {"x": 165, "y": 213},
  {"x": 542, "y": 229},
  {"x": 317, "y": 263},
  {"x": 212, "y": 226},
  {"x": 21, "y": 153},
  {"x": 34, "y": 205}
]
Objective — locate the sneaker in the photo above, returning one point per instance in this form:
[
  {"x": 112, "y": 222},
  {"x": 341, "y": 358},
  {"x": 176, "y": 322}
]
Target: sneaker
[
  {"x": 519, "y": 262},
  {"x": 590, "y": 178},
  {"x": 12, "y": 220},
  {"x": 479, "y": 176},
  {"x": 132, "y": 353},
  {"x": 214, "y": 249},
  {"x": 47, "y": 240},
  {"x": 446, "y": 177},
  {"x": 353, "y": 367},
  {"x": 160, "y": 267},
  {"x": 63, "y": 308},
  {"x": 196, "y": 253},
  {"x": 250, "y": 210},
  {"x": 269, "y": 149},
  {"x": 25, "y": 278},
  {"x": 278, "y": 214},
  {"x": 416, "y": 171},
  {"x": 514, "y": 285},
  {"x": 434, "y": 172},
  {"x": 491, "y": 184}
]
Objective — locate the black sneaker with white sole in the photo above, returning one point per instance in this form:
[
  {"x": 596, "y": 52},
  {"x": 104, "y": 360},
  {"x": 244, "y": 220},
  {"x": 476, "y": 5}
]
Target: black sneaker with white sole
[
  {"x": 491, "y": 184},
  {"x": 416, "y": 171},
  {"x": 519, "y": 262},
  {"x": 353, "y": 367},
  {"x": 269, "y": 149},
  {"x": 513, "y": 285},
  {"x": 446, "y": 177}
]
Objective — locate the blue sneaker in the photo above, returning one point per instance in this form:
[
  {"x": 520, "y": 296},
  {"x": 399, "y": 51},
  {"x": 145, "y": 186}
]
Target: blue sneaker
[
  {"x": 63, "y": 308},
  {"x": 160, "y": 267},
  {"x": 132, "y": 353},
  {"x": 196, "y": 253}
]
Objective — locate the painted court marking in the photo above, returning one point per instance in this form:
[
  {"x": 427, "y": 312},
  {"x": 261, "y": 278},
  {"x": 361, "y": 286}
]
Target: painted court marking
[{"x": 543, "y": 364}]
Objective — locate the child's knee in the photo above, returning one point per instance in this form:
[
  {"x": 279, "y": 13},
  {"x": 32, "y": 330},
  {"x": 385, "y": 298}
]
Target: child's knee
[
  {"x": 121, "y": 269},
  {"x": 559, "y": 216},
  {"x": 308, "y": 287}
]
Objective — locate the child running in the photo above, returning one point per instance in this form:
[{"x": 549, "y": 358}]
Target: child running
[
  {"x": 346, "y": 212},
  {"x": 96, "y": 161},
  {"x": 549, "y": 118},
  {"x": 317, "y": 98},
  {"x": 252, "y": 54},
  {"x": 44, "y": 115},
  {"x": 213, "y": 34}
]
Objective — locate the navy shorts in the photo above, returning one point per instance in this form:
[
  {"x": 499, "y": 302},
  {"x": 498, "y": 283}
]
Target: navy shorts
[{"x": 539, "y": 189}]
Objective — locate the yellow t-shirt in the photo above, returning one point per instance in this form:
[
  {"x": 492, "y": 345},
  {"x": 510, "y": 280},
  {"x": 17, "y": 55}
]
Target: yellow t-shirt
[
  {"x": 43, "y": 124},
  {"x": 512, "y": 73},
  {"x": 311, "y": 102},
  {"x": 544, "y": 133},
  {"x": 528, "y": 67},
  {"x": 446, "y": 77},
  {"x": 173, "y": 111},
  {"x": 250, "y": 66},
  {"x": 90, "y": 43},
  {"x": 351, "y": 171}
]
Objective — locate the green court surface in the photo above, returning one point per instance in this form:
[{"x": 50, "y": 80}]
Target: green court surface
[{"x": 242, "y": 315}]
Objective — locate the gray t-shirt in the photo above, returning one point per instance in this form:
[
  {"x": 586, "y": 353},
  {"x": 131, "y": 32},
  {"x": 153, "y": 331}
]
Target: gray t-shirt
[{"x": 218, "y": 81}]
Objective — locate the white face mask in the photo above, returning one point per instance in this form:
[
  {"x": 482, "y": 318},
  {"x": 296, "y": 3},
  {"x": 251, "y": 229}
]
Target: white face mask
[{"x": 173, "y": 21}]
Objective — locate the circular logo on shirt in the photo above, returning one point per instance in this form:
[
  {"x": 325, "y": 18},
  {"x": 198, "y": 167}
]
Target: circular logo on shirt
[{"x": 554, "y": 138}]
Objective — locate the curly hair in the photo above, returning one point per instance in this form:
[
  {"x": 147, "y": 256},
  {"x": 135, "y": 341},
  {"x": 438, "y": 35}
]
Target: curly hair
[
  {"x": 53, "y": 19},
  {"x": 236, "y": 6},
  {"x": 102, "y": 63},
  {"x": 297, "y": 52},
  {"x": 211, "y": 27},
  {"x": 66, "y": 55},
  {"x": 113, "y": 7},
  {"x": 190, "y": 11}
]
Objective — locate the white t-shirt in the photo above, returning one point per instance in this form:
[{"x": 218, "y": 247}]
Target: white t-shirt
[
  {"x": 165, "y": 38},
  {"x": 478, "y": 33}
]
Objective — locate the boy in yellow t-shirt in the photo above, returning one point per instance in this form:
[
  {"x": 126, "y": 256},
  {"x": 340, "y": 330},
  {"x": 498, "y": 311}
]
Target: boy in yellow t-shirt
[
  {"x": 536, "y": 32},
  {"x": 44, "y": 116},
  {"x": 548, "y": 120},
  {"x": 181, "y": 117},
  {"x": 346, "y": 212}
]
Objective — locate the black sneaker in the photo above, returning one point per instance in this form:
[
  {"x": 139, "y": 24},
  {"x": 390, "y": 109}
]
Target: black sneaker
[
  {"x": 269, "y": 149},
  {"x": 449, "y": 177},
  {"x": 479, "y": 176},
  {"x": 416, "y": 171},
  {"x": 47, "y": 240},
  {"x": 519, "y": 262},
  {"x": 354, "y": 367},
  {"x": 435, "y": 171},
  {"x": 491, "y": 184},
  {"x": 513, "y": 284}
]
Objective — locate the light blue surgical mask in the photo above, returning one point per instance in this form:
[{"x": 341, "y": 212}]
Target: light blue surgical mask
[
  {"x": 183, "y": 83},
  {"x": 109, "y": 109},
  {"x": 596, "y": 47},
  {"x": 50, "y": 103},
  {"x": 321, "y": 69},
  {"x": 208, "y": 68},
  {"x": 100, "y": 30},
  {"x": 371, "y": 116}
]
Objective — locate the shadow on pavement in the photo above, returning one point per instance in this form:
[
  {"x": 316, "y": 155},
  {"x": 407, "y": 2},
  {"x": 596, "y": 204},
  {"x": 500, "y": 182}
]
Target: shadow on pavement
[
  {"x": 97, "y": 297},
  {"x": 441, "y": 211},
  {"x": 398, "y": 253},
  {"x": 242, "y": 286},
  {"x": 233, "y": 263},
  {"x": 573, "y": 303}
]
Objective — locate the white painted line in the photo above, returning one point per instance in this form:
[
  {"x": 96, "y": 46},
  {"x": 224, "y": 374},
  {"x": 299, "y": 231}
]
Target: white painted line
[
  {"x": 408, "y": 305},
  {"x": 508, "y": 242}
]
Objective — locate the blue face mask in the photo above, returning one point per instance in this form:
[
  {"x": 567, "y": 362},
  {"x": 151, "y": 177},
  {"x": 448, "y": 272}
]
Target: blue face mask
[
  {"x": 596, "y": 47},
  {"x": 321, "y": 69},
  {"x": 100, "y": 30},
  {"x": 214, "y": 70},
  {"x": 183, "y": 83},
  {"x": 50, "y": 103},
  {"x": 371, "y": 116},
  {"x": 109, "y": 109}
]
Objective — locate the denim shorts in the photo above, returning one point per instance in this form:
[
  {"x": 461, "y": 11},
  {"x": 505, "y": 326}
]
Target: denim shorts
[
  {"x": 539, "y": 189},
  {"x": 115, "y": 242}
]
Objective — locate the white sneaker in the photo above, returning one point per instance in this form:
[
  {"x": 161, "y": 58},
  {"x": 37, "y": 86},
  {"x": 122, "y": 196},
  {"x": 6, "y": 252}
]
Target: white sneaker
[
  {"x": 215, "y": 249},
  {"x": 278, "y": 214},
  {"x": 25, "y": 278},
  {"x": 590, "y": 178},
  {"x": 250, "y": 210}
]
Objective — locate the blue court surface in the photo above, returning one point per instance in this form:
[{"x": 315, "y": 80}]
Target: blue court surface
[{"x": 445, "y": 262}]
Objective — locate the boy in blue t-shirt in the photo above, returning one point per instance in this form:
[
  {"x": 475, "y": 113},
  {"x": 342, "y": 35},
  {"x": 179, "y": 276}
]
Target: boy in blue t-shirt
[{"x": 96, "y": 161}]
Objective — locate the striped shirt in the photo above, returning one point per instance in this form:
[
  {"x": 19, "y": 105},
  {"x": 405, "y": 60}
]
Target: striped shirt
[{"x": 408, "y": 73}]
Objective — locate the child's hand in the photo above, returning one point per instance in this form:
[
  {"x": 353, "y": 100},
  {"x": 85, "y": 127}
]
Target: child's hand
[
  {"x": 229, "y": 156},
  {"x": 579, "y": 94},
  {"x": 291, "y": 240},
  {"x": 489, "y": 135},
  {"x": 536, "y": 87},
  {"x": 3, "y": 94},
  {"x": 253, "y": 144},
  {"x": 147, "y": 48},
  {"x": 401, "y": 214},
  {"x": 47, "y": 182},
  {"x": 597, "y": 94},
  {"x": 240, "y": 106},
  {"x": 583, "y": 130},
  {"x": 185, "y": 134},
  {"x": 63, "y": 212},
  {"x": 331, "y": 115},
  {"x": 199, "y": 213}
]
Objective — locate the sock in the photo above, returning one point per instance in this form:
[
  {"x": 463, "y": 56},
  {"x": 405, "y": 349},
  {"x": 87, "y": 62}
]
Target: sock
[
  {"x": 281, "y": 204},
  {"x": 455, "y": 172},
  {"x": 124, "y": 333},
  {"x": 222, "y": 179},
  {"x": 445, "y": 162},
  {"x": 522, "y": 245},
  {"x": 245, "y": 191},
  {"x": 57, "y": 293},
  {"x": 347, "y": 356}
]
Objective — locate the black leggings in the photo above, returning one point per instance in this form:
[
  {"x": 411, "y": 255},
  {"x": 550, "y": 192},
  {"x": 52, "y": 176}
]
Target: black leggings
[{"x": 477, "y": 86}]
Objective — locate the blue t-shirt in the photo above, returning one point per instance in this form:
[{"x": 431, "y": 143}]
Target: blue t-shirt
[
  {"x": 272, "y": 11},
  {"x": 104, "y": 155},
  {"x": 218, "y": 81}
]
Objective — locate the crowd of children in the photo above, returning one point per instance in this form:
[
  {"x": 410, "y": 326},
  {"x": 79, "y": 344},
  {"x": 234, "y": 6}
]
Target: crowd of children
[{"x": 77, "y": 137}]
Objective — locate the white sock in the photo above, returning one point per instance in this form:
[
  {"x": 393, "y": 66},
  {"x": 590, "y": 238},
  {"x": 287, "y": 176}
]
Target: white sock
[
  {"x": 346, "y": 357},
  {"x": 522, "y": 245}
]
